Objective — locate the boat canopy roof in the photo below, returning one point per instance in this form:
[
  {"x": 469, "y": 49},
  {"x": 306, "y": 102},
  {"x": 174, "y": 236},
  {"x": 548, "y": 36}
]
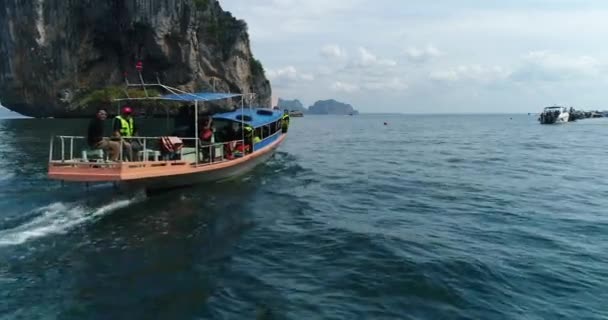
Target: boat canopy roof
[
  {"x": 181, "y": 96},
  {"x": 255, "y": 117},
  {"x": 199, "y": 96}
]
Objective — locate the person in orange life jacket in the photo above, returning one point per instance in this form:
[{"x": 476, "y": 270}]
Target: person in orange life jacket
[
  {"x": 124, "y": 127},
  {"x": 206, "y": 136}
]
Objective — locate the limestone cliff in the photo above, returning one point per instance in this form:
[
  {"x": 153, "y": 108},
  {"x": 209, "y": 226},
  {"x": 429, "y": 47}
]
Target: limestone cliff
[{"x": 52, "y": 53}]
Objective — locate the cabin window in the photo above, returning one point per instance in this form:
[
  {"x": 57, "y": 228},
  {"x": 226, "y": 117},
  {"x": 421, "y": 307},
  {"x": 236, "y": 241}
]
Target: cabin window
[
  {"x": 275, "y": 127},
  {"x": 265, "y": 132}
]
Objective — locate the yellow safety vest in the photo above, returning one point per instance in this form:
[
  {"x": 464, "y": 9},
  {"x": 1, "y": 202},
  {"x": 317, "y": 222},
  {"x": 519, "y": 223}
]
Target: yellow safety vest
[
  {"x": 248, "y": 131},
  {"x": 126, "y": 126},
  {"x": 256, "y": 139}
]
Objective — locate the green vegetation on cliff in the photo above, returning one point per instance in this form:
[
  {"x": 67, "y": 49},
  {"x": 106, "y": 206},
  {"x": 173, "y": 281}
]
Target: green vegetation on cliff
[
  {"x": 105, "y": 98},
  {"x": 201, "y": 5}
]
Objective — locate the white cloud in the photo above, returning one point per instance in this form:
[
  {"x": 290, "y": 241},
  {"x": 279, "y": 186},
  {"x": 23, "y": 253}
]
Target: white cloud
[
  {"x": 287, "y": 75},
  {"x": 392, "y": 84},
  {"x": 478, "y": 73},
  {"x": 368, "y": 59},
  {"x": 307, "y": 77},
  {"x": 322, "y": 70},
  {"x": 282, "y": 19},
  {"x": 344, "y": 87},
  {"x": 474, "y": 43},
  {"x": 422, "y": 54},
  {"x": 551, "y": 66},
  {"x": 333, "y": 51},
  {"x": 550, "y": 60}
]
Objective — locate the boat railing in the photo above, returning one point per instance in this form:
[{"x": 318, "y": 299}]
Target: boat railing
[{"x": 76, "y": 150}]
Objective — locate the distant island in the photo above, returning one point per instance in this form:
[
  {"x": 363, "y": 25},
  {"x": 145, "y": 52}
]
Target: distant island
[
  {"x": 322, "y": 107},
  {"x": 291, "y": 105},
  {"x": 331, "y": 107}
]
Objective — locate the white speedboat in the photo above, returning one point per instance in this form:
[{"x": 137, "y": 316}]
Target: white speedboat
[{"x": 554, "y": 115}]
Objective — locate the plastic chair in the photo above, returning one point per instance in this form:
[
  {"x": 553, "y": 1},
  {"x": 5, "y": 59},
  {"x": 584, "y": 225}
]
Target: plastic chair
[{"x": 96, "y": 154}]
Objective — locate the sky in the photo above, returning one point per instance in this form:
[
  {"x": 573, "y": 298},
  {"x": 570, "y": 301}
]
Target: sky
[
  {"x": 440, "y": 56},
  {"x": 6, "y": 113}
]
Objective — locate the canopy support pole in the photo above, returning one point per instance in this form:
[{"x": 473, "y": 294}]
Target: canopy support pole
[
  {"x": 143, "y": 84},
  {"x": 254, "y": 129},
  {"x": 243, "y": 126},
  {"x": 196, "y": 130}
]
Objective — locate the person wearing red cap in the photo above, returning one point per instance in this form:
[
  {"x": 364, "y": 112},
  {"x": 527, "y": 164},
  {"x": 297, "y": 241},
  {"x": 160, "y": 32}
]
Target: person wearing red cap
[{"x": 124, "y": 127}]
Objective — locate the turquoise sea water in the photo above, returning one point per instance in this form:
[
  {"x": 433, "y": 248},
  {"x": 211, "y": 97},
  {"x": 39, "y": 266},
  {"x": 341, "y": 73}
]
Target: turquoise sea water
[{"x": 429, "y": 217}]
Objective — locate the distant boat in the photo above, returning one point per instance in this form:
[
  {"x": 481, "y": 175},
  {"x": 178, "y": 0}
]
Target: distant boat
[
  {"x": 296, "y": 114},
  {"x": 554, "y": 115}
]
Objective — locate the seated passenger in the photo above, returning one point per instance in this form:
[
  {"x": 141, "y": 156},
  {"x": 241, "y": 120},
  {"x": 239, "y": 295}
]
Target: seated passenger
[
  {"x": 229, "y": 136},
  {"x": 206, "y": 137},
  {"x": 96, "y": 139},
  {"x": 124, "y": 128},
  {"x": 248, "y": 138},
  {"x": 244, "y": 147}
]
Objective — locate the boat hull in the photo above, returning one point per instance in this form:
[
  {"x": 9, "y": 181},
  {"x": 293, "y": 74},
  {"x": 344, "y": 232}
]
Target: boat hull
[
  {"x": 157, "y": 175},
  {"x": 185, "y": 180},
  {"x": 561, "y": 119}
]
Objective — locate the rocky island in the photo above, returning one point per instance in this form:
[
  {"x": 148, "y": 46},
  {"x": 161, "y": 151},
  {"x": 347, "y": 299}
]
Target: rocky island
[
  {"x": 331, "y": 107},
  {"x": 62, "y": 58},
  {"x": 291, "y": 105},
  {"x": 327, "y": 107}
]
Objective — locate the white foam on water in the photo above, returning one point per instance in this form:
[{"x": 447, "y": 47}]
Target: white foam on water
[
  {"x": 58, "y": 218},
  {"x": 6, "y": 176}
]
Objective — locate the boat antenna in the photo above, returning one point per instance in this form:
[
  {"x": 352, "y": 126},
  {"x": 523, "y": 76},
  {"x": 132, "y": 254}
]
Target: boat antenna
[
  {"x": 126, "y": 89},
  {"x": 140, "y": 67}
]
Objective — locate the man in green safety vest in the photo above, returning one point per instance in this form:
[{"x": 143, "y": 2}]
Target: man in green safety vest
[
  {"x": 285, "y": 121},
  {"x": 124, "y": 128},
  {"x": 249, "y": 136}
]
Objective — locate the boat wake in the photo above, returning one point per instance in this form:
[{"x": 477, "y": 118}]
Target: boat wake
[
  {"x": 6, "y": 176},
  {"x": 58, "y": 218}
]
